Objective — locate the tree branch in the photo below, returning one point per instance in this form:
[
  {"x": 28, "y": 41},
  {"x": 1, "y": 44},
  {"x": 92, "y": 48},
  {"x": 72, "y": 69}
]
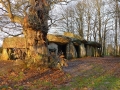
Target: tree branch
[
  {"x": 11, "y": 34},
  {"x": 3, "y": 3},
  {"x": 3, "y": 10},
  {"x": 9, "y": 9}
]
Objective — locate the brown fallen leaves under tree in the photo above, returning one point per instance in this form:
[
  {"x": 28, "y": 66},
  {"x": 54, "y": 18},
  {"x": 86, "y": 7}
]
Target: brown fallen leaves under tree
[{"x": 15, "y": 77}]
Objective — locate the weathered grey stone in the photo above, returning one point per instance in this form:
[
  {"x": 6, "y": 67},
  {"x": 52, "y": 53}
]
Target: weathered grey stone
[{"x": 82, "y": 50}]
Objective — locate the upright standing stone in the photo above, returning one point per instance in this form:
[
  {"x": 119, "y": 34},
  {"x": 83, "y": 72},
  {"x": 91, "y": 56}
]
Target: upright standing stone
[
  {"x": 82, "y": 50},
  {"x": 71, "y": 51},
  {"x": 4, "y": 55}
]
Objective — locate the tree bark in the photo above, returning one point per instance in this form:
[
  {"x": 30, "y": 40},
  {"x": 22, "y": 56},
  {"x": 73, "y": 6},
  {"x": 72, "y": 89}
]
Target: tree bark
[
  {"x": 35, "y": 31},
  {"x": 116, "y": 26}
]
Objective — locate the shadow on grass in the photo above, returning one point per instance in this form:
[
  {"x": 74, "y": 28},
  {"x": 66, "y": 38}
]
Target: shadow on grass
[{"x": 96, "y": 78}]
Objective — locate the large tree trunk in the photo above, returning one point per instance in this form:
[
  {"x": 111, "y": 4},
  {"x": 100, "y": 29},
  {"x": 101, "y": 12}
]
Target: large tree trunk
[
  {"x": 36, "y": 44},
  {"x": 35, "y": 31}
]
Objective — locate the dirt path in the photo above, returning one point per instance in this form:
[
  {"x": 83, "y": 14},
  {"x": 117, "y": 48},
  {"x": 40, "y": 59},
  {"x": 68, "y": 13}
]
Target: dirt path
[{"x": 81, "y": 65}]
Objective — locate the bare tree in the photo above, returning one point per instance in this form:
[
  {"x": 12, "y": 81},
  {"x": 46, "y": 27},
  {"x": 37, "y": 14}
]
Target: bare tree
[
  {"x": 33, "y": 16},
  {"x": 80, "y": 9},
  {"x": 67, "y": 19}
]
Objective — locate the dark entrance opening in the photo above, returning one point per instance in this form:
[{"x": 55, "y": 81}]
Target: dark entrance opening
[
  {"x": 62, "y": 48},
  {"x": 77, "y": 50},
  {"x": 86, "y": 49}
]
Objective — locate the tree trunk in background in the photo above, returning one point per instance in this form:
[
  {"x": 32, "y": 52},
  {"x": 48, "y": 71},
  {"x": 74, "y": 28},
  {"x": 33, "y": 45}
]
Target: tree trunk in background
[
  {"x": 88, "y": 25},
  {"x": 35, "y": 31},
  {"x": 116, "y": 26},
  {"x": 115, "y": 36},
  {"x": 119, "y": 32},
  {"x": 99, "y": 23},
  {"x": 94, "y": 30},
  {"x": 104, "y": 40},
  {"x": 80, "y": 20}
]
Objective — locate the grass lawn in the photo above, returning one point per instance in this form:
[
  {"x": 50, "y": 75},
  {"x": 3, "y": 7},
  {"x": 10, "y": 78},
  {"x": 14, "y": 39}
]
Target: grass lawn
[{"x": 95, "y": 79}]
